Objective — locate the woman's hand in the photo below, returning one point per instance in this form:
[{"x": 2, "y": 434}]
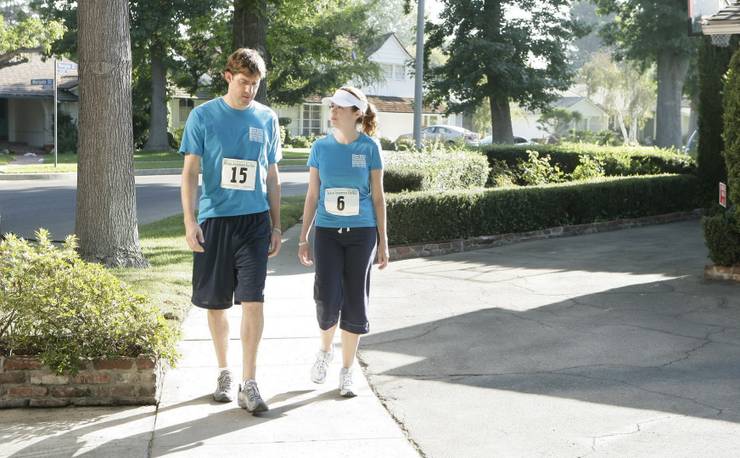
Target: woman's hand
[
  {"x": 383, "y": 255},
  {"x": 304, "y": 254}
]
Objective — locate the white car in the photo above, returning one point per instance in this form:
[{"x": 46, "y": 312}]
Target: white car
[
  {"x": 487, "y": 140},
  {"x": 442, "y": 134}
]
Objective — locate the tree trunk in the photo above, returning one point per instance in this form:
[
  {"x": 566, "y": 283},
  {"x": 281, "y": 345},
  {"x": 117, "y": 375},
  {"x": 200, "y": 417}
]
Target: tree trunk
[
  {"x": 623, "y": 128},
  {"x": 106, "y": 221},
  {"x": 157, "y": 140},
  {"x": 672, "y": 70},
  {"x": 501, "y": 120},
  {"x": 250, "y": 31}
]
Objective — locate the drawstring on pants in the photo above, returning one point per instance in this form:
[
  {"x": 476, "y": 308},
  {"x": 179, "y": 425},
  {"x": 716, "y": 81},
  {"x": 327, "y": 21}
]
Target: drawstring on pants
[{"x": 340, "y": 229}]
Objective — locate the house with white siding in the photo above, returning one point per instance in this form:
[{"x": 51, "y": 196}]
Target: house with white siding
[{"x": 393, "y": 97}]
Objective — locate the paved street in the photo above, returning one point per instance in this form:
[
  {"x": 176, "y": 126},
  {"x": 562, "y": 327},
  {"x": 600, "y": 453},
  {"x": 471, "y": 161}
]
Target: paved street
[
  {"x": 27, "y": 205},
  {"x": 609, "y": 344}
]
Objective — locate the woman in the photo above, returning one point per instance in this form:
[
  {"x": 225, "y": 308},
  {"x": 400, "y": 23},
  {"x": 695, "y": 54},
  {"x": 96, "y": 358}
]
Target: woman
[{"x": 345, "y": 195}]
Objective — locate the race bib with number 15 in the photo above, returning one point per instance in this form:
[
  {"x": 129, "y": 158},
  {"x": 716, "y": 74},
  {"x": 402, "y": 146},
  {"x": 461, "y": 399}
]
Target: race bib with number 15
[{"x": 238, "y": 174}]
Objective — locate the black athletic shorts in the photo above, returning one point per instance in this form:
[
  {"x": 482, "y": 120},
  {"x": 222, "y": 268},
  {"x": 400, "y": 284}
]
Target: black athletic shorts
[
  {"x": 343, "y": 260},
  {"x": 233, "y": 267}
]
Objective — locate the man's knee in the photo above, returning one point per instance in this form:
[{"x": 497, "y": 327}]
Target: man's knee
[
  {"x": 251, "y": 308},
  {"x": 217, "y": 314}
]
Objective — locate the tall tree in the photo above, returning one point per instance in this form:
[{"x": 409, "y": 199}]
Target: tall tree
[
  {"x": 250, "y": 31},
  {"x": 21, "y": 34},
  {"x": 158, "y": 27},
  {"x": 626, "y": 91},
  {"x": 106, "y": 222},
  {"x": 502, "y": 56},
  {"x": 654, "y": 32},
  {"x": 310, "y": 46}
]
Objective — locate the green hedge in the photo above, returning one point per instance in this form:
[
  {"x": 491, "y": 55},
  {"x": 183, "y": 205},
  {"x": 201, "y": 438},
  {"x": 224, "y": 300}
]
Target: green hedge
[
  {"x": 428, "y": 216},
  {"x": 617, "y": 160},
  {"x": 722, "y": 240},
  {"x": 434, "y": 170},
  {"x": 731, "y": 135}
]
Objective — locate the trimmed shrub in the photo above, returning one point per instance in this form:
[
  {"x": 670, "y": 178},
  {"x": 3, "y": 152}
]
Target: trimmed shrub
[
  {"x": 538, "y": 170},
  {"x": 63, "y": 309},
  {"x": 387, "y": 144},
  {"x": 731, "y": 136},
  {"x": 617, "y": 161},
  {"x": 434, "y": 170},
  {"x": 300, "y": 141},
  {"x": 712, "y": 66},
  {"x": 430, "y": 216},
  {"x": 722, "y": 239}
]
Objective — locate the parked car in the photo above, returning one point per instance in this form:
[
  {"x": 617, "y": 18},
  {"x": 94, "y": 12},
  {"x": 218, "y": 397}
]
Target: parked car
[
  {"x": 517, "y": 141},
  {"x": 443, "y": 134}
]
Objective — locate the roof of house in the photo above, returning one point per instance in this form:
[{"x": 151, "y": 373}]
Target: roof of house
[
  {"x": 388, "y": 104},
  {"x": 567, "y": 102},
  {"x": 15, "y": 81},
  {"x": 381, "y": 40},
  {"x": 725, "y": 22},
  {"x": 570, "y": 102}
]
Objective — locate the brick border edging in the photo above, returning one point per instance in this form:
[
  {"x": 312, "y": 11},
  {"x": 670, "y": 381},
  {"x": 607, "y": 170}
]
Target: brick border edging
[
  {"x": 400, "y": 252},
  {"x": 26, "y": 382},
  {"x": 724, "y": 273}
]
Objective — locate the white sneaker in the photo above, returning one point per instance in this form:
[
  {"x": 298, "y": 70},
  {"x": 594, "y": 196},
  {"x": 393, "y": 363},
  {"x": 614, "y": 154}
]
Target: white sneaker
[
  {"x": 224, "y": 385},
  {"x": 345, "y": 383},
  {"x": 321, "y": 365},
  {"x": 250, "y": 398}
]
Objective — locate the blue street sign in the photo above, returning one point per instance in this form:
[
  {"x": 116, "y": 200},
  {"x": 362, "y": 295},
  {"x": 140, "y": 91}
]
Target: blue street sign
[
  {"x": 42, "y": 82},
  {"x": 64, "y": 67}
]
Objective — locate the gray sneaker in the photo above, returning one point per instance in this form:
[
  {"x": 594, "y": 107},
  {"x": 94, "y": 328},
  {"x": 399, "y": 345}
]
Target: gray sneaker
[
  {"x": 250, "y": 399},
  {"x": 224, "y": 386},
  {"x": 345, "y": 383},
  {"x": 320, "y": 366}
]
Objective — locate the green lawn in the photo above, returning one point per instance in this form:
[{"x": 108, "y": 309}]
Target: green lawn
[
  {"x": 142, "y": 160},
  {"x": 168, "y": 281}
]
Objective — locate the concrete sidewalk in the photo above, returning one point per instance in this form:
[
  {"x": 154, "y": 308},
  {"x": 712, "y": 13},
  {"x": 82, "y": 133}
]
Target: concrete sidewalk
[{"x": 304, "y": 419}]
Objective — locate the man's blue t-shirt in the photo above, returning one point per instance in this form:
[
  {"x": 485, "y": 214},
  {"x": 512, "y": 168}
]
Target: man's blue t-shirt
[
  {"x": 236, "y": 147},
  {"x": 344, "y": 170}
]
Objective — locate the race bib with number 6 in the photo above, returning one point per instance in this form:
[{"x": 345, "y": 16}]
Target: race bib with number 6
[
  {"x": 238, "y": 174},
  {"x": 342, "y": 201}
]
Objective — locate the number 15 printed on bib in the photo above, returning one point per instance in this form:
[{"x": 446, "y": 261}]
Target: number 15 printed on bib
[
  {"x": 342, "y": 201},
  {"x": 238, "y": 174}
]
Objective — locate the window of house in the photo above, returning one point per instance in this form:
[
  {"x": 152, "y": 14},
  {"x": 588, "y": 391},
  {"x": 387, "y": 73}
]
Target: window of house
[
  {"x": 429, "y": 120},
  {"x": 311, "y": 119},
  {"x": 387, "y": 71},
  {"x": 399, "y": 72},
  {"x": 186, "y": 106}
]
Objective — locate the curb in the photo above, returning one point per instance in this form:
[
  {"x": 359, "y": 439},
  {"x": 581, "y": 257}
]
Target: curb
[
  {"x": 722, "y": 273},
  {"x": 400, "y": 252},
  {"x": 138, "y": 173}
]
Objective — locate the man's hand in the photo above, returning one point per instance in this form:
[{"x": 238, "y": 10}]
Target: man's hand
[
  {"x": 275, "y": 242},
  {"x": 194, "y": 236}
]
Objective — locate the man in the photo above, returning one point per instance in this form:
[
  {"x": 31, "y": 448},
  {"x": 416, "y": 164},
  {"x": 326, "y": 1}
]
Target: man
[{"x": 236, "y": 142}]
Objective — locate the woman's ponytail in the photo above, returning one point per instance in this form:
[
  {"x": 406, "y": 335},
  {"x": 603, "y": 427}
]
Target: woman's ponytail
[{"x": 369, "y": 120}]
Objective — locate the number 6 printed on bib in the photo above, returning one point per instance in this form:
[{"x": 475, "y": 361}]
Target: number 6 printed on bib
[
  {"x": 342, "y": 201},
  {"x": 238, "y": 174}
]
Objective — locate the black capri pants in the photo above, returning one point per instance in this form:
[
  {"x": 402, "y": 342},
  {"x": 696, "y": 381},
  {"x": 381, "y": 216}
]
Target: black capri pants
[{"x": 343, "y": 259}]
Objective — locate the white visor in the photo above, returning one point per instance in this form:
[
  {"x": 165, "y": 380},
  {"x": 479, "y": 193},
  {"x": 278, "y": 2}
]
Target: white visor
[{"x": 344, "y": 98}]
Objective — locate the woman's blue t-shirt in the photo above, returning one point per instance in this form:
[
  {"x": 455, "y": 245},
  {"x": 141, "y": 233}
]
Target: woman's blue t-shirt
[{"x": 344, "y": 171}]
